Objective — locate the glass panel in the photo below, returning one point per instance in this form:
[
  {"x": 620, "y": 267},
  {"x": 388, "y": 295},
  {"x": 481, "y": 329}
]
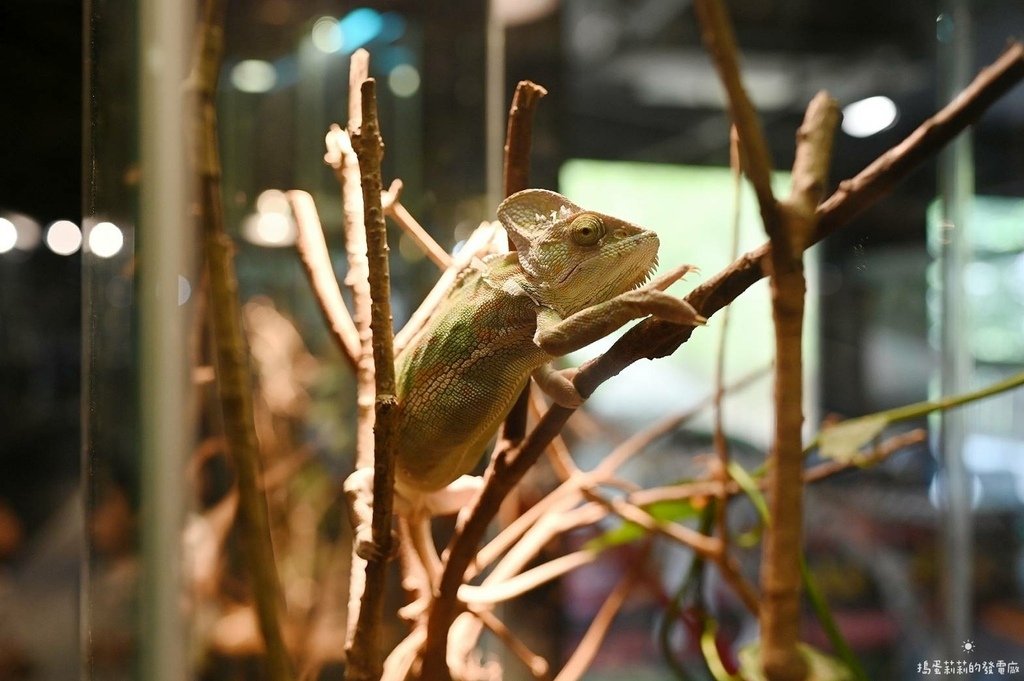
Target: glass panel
[
  {"x": 139, "y": 340},
  {"x": 634, "y": 124}
]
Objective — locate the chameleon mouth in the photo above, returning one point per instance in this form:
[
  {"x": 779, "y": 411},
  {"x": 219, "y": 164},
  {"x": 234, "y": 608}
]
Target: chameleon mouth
[{"x": 646, "y": 276}]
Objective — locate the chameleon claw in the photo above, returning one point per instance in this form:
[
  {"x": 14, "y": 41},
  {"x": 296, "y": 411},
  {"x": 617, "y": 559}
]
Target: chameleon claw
[
  {"x": 663, "y": 281},
  {"x": 368, "y": 550}
]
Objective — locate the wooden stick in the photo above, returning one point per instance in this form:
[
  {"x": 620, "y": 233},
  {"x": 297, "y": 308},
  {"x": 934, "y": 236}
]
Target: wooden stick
[
  {"x": 537, "y": 665},
  {"x": 235, "y": 382},
  {"x": 720, "y": 41},
  {"x": 586, "y": 651},
  {"x": 232, "y": 358},
  {"x": 365, "y": 659},
  {"x": 519, "y": 137},
  {"x": 516, "y": 171},
  {"x": 394, "y": 209},
  {"x": 721, "y": 442},
  {"x": 316, "y": 261},
  {"x": 655, "y": 338},
  {"x": 783, "y": 545},
  {"x": 709, "y": 488},
  {"x": 342, "y": 158}
]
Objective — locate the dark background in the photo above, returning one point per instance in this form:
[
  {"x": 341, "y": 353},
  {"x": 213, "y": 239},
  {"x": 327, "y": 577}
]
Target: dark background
[{"x": 591, "y": 113}]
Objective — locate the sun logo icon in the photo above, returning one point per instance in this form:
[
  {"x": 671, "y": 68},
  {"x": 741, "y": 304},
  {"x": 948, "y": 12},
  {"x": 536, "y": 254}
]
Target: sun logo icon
[{"x": 968, "y": 646}]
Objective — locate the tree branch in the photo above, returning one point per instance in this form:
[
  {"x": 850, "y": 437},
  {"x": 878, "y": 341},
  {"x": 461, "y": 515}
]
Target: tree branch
[
  {"x": 518, "y": 139},
  {"x": 394, "y": 209},
  {"x": 232, "y": 357},
  {"x": 342, "y": 158},
  {"x": 316, "y": 261},
  {"x": 720, "y": 42},
  {"x": 783, "y": 545},
  {"x": 365, "y": 660}
]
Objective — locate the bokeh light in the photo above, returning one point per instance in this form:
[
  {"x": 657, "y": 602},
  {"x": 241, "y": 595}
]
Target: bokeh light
[
  {"x": 28, "y": 231},
  {"x": 869, "y": 116},
  {"x": 272, "y": 201},
  {"x": 326, "y": 36},
  {"x": 404, "y": 80},
  {"x": 63, "y": 237},
  {"x": 254, "y": 75},
  {"x": 106, "y": 239},
  {"x": 269, "y": 229},
  {"x": 8, "y": 235}
]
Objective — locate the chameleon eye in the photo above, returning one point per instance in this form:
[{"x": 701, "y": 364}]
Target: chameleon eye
[{"x": 587, "y": 230}]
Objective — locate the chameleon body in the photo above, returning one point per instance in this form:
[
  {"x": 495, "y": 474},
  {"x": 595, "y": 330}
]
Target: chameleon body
[
  {"x": 459, "y": 376},
  {"x": 575, "y": 276}
]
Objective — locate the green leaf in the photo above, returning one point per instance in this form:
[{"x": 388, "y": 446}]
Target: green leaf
[
  {"x": 820, "y": 666},
  {"x": 666, "y": 511},
  {"x": 843, "y": 441}
]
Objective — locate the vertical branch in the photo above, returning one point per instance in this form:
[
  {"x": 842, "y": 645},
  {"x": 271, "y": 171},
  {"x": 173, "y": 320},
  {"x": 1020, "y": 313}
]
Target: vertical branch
[
  {"x": 519, "y": 136},
  {"x": 780, "y": 576},
  {"x": 232, "y": 358},
  {"x": 720, "y": 441},
  {"x": 720, "y": 41},
  {"x": 780, "y": 572},
  {"x": 516, "y": 177},
  {"x": 364, "y": 656},
  {"x": 342, "y": 158}
]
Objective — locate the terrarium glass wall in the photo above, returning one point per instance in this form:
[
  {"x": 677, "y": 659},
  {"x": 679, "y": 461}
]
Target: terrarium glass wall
[{"x": 918, "y": 566}]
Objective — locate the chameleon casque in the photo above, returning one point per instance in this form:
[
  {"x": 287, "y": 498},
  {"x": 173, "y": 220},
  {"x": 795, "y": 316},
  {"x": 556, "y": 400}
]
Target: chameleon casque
[{"x": 576, "y": 276}]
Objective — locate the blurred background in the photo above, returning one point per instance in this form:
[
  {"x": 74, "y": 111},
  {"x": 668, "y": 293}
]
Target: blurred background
[{"x": 919, "y": 556}]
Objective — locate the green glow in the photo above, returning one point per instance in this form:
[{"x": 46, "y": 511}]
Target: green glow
[{"x": 691, "y": 209}]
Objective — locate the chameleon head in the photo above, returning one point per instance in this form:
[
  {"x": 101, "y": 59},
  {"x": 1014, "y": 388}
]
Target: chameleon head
[{"x": 574, "y": 258}]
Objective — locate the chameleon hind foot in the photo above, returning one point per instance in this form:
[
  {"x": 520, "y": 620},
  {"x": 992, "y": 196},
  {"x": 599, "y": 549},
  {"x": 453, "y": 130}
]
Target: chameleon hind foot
[{"x": 359, "y": 492}]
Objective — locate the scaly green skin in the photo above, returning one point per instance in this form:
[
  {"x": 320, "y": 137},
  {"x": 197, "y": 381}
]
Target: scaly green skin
[{"x": 459, "y": 376}]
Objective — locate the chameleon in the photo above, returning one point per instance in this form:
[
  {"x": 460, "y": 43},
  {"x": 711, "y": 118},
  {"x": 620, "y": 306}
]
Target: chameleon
[{"x": 575, "y": 276}]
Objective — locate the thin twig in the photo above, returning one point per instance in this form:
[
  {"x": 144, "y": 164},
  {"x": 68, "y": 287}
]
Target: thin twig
[
  {"x": 705, "y": 546},
  {"x": 232, "y": 358},
  {"x": 316, "y": 261},
  {"x": 881, "y": 452},
  {"x": 519, "y": 137},
  {"x": 583, "y": 656},
  {"x": 709, "y": 488},
  {"x": 365, "y": 661},
  {"x": 477, "y": 245},
  {"x": 342, "y": 158},
  {"x": 563, "y": 515},
  {"x": 783, "y": 544},
  {"x": 394, "y": 209},
  {"x": 516, "y": 177},
  {"x": 525, "y": 581},
  {"x": 654, "y": 338},
  {"x": 538, "y": 666},
  {"x": 718, "y": 434},
  {"x": 720, "y": 41}
]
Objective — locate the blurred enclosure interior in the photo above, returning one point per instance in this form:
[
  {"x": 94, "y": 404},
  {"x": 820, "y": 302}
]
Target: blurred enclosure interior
[{"x": 917, "y": 555}]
